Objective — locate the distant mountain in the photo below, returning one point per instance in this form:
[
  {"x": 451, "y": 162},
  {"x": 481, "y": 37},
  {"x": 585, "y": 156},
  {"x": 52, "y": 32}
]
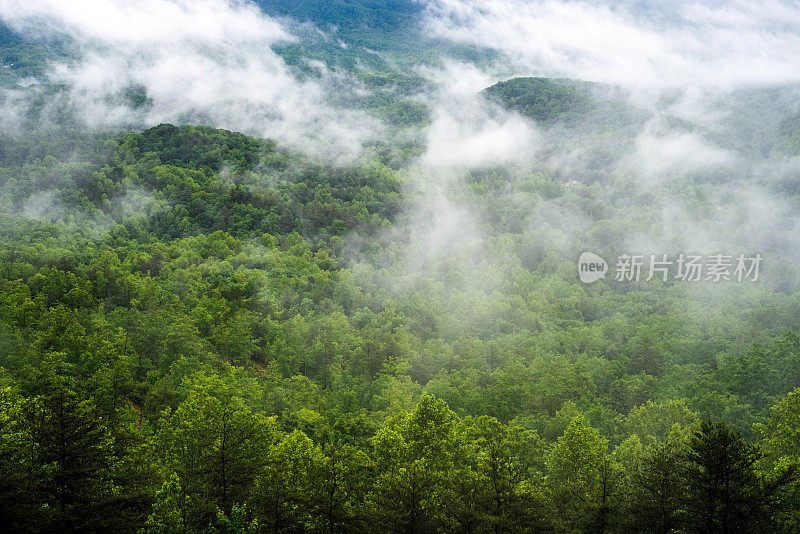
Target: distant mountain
[
  {"x": 199, "y": 147},
  {"x": 347, "y": 14},
  {"x": 550, "y": 101},
  {"x": 23, "y": 55},
  {"x": 8, "y": 36}
]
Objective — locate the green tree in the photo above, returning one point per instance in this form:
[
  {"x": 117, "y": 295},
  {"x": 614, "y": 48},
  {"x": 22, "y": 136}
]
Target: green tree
[
  {"x": 725, "y": 491},
  {"x": 236, "y": 523},
  {"x": 340, "y": 483},
  {"x": 419, "y": 458},
  {"x": 780, "y": 439},
  {"x": 71, "y": 458},
  {"x": 657, "y": 491},
  {"x": 504, "y": 462},
  {"x": 217, "y": 445},
  {"x": 17, "y": 504},
  {"x": 581, "y": 480},
  {"x": 283, "y": 495},
  {"x": 167, "y": 516}
]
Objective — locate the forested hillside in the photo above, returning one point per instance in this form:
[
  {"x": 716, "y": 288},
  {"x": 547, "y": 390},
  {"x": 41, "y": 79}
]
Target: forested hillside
[
  {"x": 567, "y": 101},
  {"x": 273, "y": 266},
  {"x": 183, "y": 304},
  {"x": 350, "y": 14}
]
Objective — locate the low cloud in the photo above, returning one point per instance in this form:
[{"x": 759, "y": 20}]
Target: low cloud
[
  {"x": 202, "y": 61},
  {"x": 42, "y": 205},
  {"x": 663, "y": 154},
  {"x": 466, "y": 130},
  {"x": 634, "y": 43}
]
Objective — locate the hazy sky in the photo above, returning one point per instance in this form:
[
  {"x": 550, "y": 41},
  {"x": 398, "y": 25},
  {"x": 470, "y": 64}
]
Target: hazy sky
[
  {"x": 634, "y": 43},
  {"x": 214, "y": 62},
  {"x": 206, "y": 61}
]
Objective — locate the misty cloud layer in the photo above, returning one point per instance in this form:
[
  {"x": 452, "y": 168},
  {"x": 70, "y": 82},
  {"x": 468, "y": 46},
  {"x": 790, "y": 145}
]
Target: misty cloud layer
[
  {"x": 137, "y": 64},
  {"x": 203, "y": 61},
  {"x": 634, "y": 43},
  {"x": 466, "y": 131}
]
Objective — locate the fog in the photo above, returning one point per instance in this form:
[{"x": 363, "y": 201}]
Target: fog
[
  {"x": 466, "y": 131},
  {"x": 695, "y": 69},
  {"x": 205, "y": 61},
  {"x": 701, "y": 63},
  {"x": 637, "y": 43}
]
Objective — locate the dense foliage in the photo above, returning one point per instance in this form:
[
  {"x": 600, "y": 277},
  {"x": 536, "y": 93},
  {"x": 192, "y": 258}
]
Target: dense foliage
[
  {"x": 559, "y": 100},
  {"x": 200, "y": 332},
  {"x": 352, "y": 14}
]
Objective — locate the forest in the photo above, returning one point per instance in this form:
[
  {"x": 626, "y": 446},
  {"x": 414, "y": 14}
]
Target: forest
[
  {"x": 185, "y": 349},
  {"x": 356, "y": 307}
]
